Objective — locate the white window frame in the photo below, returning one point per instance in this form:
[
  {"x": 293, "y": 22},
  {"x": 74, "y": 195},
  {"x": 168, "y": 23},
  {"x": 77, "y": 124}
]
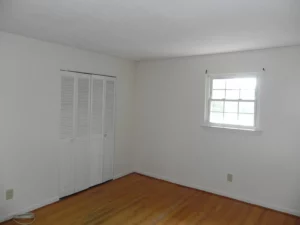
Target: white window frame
[{"x": 208, "y": 93}]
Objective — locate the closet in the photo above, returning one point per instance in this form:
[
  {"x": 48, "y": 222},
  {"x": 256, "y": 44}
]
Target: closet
[{"x": 86, "y": 131}]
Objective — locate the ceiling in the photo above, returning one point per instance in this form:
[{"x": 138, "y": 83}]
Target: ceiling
[{"x": 148, "y": 29}]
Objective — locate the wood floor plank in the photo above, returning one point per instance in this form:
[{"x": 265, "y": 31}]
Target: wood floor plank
[{"x": 137, "y": 199}]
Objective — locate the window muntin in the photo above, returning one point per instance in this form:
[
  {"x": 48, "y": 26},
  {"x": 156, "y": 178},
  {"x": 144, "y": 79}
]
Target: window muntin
[{"x": 232, "y": 101}]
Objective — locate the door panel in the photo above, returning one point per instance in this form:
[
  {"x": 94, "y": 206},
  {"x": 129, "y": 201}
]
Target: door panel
[
  {"x": 97, "y": 99},
  {"x": 67, "y": 168},
  {"x": 82, "y": 140},
  {"x": 109, "y": 130},
  {"x": 67, "y": 121}
]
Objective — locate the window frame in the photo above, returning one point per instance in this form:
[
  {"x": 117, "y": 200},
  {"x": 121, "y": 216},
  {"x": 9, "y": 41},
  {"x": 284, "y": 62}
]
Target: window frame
[{"x": 208, "y": 99}]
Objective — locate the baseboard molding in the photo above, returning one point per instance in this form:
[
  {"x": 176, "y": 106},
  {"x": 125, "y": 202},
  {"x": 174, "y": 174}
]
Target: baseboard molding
[
  {"x": 122, "y": 174},
  {"x": 29, "y": 209},
  {"x": 221, "y": 193}
]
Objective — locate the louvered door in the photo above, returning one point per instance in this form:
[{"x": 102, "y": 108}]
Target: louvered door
[
  {"x": 67, "y": 128},
  {"x": 109, "y": 131},
  {"x": 86, "y": 131},
  {"x": 82, "y": 133},
  {"x": 96, "y": 129}
]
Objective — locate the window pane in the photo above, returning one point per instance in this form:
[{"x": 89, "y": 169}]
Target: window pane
[
  {"x": 216, "y": 106},
  {"x": 246, "y": 107},
  {"x": 233, "y": 83},
  {"x": 230, "y": 118},
  {"x": 232, "y": 94},
  {"x": 248, "y": 83},
  {"x": 246, "y": 119},
  {"x": 218, "y": 94},
  {"x": 216, "y": 117},
  {"x": 226, "y": 101},
  {"x": 218, "y": 84},
  {"x": 231, "y": 107},
  {"x": 247, "y": 94},
  {"x": 241, "y": 83}
]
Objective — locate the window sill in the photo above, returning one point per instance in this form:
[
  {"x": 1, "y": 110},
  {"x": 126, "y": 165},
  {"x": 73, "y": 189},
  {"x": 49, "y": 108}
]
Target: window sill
[{"x": 254, "y": 130}]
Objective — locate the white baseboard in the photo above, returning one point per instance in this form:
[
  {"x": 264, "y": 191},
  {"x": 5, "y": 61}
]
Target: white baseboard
[
  {"x": 218, "y": 192},
  {"x": 29, "y": 209},
  {"x": 122, "y": 174}
]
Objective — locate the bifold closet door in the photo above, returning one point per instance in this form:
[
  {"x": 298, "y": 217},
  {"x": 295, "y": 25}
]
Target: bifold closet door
[
  {"x": 86, "y": 131},
  {"x": 74, "y": 133},
  {"x": 96, "y": 129},
  {"x": 67, "y": 128},
  {"x": 82, "y": 131},
  {"x": 109, "y": 131}
]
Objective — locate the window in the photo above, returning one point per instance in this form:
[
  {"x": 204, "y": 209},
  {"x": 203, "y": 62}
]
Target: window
[{"x": 232, "y": 101}]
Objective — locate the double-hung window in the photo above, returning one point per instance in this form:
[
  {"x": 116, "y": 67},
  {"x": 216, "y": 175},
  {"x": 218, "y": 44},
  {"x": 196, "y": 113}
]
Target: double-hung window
[{"x": 232, "y": 101}]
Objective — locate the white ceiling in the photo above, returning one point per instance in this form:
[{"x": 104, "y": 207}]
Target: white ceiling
[{"x": 146, "y": 29}]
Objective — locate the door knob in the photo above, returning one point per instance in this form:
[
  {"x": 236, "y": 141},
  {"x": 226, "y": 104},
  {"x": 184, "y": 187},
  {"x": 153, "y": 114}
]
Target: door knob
[{"x": 105, "y": 135}]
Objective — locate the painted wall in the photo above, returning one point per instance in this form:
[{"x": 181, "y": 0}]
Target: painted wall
[
  {"x": 168, "y": 112},
  {"x": 171, "y": 143},
  {"x": 29, "y": 121}
]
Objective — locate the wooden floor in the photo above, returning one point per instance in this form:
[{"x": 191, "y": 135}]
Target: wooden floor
[{"x": 136, "y": 199}]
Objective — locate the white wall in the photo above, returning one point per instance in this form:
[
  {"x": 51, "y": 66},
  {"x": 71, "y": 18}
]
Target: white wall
[
  {"x": 169, "y": 140},
  {"x": 30, "y": 106},
  {"x": 171, "y": 144}
]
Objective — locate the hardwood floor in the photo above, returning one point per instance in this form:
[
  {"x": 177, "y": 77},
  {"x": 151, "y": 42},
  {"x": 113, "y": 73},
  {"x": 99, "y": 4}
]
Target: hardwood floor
[{"x": 136, "y": 199}]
